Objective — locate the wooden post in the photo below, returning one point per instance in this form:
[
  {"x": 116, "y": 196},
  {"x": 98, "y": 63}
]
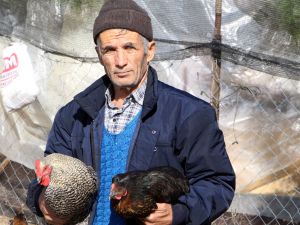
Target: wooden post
[
  {"x": 216, "y": 55},
  {"x": 3, "y": 164}
]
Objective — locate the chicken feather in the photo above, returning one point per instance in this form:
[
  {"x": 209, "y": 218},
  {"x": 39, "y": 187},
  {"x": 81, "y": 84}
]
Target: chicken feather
[
  {"x": 135, "y": 194},
  {"x": 71, "y": 186}
]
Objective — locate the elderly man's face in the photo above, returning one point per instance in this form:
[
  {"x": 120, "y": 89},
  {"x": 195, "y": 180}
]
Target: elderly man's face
[{"x": 123, "y": 56}]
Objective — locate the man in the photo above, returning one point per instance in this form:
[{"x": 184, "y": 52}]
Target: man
[{"x": 128, "y": 120}]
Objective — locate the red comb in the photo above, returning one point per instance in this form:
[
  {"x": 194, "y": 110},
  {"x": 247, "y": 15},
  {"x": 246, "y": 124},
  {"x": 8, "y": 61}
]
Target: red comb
[{"x": 42, "y": 173}]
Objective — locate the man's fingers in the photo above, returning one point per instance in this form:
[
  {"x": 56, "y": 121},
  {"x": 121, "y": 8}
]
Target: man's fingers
[
  {"x": 161, "y": 216},
  {"x": 160, "y": 210}
]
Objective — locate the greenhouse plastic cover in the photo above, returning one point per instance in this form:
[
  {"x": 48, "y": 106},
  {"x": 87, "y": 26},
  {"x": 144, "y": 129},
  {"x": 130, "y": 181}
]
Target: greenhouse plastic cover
[
  {"x": 64, "y": 26},
  {"x": 260, "y": 87}
]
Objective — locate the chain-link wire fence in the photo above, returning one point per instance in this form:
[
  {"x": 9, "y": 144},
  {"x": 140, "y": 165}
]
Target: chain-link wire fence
[{"x": 14, "y": 179}]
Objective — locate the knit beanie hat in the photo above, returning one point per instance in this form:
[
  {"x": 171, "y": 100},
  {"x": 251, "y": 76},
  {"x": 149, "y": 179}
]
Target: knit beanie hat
[{"x": 124, "y": 14}]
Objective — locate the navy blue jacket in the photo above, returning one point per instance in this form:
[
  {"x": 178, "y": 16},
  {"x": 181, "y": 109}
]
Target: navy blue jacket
[{"x": 176, "y": 129}]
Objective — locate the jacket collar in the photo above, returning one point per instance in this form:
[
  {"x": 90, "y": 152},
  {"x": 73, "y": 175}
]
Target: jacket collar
[
  {"x": 92, "y": 99},
  {"x": 151, "y": 94}
]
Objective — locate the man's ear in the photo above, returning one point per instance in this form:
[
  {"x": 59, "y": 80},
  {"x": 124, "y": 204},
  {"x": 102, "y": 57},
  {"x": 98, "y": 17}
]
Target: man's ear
[
  {"x": 99, "y": 55},
  {"x": 151, "y": 51}
]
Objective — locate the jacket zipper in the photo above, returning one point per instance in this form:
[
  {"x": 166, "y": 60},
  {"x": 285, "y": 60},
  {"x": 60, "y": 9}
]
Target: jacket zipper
[
  {"x": 94, "y": 165},
  {"x": 92, "y": 141}
]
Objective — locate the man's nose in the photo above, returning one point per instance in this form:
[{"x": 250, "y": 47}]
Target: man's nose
[{"x": 121, "y": 58}]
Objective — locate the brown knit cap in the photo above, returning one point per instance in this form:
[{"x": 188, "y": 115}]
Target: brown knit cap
[{"x": 125, "y": 14}]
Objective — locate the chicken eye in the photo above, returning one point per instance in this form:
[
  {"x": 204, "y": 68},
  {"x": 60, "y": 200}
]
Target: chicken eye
[{"x": 116, "y": 180}]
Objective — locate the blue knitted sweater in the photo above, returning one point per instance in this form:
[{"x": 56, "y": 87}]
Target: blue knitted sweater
[{"x": 114, "y": 153}]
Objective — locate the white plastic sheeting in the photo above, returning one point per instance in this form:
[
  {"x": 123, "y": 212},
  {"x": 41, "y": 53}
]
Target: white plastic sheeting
[{"x": 24, "y": 132}]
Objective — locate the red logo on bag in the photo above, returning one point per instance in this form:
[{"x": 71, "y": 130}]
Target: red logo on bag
[
  {"x": 10, "y": 63},
  {"x": 9, "y": 73}
]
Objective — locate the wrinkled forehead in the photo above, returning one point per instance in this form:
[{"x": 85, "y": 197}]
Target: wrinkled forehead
[{"x": 116, "y": 35}]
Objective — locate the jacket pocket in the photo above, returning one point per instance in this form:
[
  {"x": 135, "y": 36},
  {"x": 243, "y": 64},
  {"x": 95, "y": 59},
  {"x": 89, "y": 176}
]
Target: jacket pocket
[
  {"x": 163, "y": 154},
  {"x": 144, "y": 149}
]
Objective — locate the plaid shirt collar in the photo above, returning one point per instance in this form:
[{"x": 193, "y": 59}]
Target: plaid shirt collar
[{"x": 137, "y": 96}]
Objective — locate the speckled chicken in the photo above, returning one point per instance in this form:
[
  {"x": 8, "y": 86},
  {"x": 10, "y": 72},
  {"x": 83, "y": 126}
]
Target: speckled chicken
[
  {"x": 71, "y": 186},
  {"x": 135, "y": 194}
]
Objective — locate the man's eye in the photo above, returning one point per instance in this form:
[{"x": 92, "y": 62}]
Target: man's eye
[
  {"x": 129, "y": 47},
  {"x": 107, "y": 50}
]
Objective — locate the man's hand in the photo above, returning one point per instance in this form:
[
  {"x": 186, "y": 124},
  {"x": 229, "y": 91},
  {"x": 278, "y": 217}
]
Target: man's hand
[
  {"x": 50, "y": 217},
  {"x": 163, "y": 215}
]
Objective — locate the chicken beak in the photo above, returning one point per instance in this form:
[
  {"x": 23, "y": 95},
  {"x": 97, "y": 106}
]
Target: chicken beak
[
  {"x": 117, "y": 192},
  {"x": 111, "y": 195},
  {"x": 115, "y": 195}
]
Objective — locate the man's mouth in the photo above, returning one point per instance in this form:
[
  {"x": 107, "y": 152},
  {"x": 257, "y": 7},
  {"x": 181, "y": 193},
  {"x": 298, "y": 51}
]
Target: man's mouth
[{"x": 122, "y": 73}]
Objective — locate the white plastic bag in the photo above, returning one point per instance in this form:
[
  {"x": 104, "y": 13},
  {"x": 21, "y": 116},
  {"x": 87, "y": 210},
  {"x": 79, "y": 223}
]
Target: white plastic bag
[{"x": 18, "y": 87}]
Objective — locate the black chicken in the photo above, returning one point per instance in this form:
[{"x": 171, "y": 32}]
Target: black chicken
[{"x": 135, "y": 194}]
